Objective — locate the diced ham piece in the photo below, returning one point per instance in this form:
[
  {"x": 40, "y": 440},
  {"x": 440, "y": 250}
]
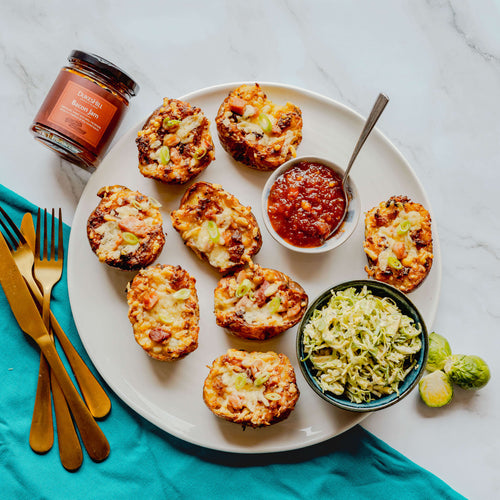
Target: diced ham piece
[
  {"x": 175, "y": 156},
  {"x": 256, "y": 367},
  {"x": 276, "y": 129},
  {"x": 294, "y": 311},
  {"x": 260, "y": 296},
  {"x": 244, "y": 303},
  {"x": 235, "y": 402},
  {"x": 157, "y": 335},
  {"x": 241, "y": 276},
  {"x": 237, "y": 105},
  {"x": 171, "y": 140},
  {"x": 399, "y": 250},
  {"x": 133, "y": 225},
  {"x": 150, "y": 300}
]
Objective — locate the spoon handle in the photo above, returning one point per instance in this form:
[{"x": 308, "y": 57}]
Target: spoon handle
[{"x": 375, "y": 113}]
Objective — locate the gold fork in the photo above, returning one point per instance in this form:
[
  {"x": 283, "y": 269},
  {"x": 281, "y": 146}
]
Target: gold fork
[
  {"x": 48, "y": 271},
  {"x": 97, "y": 400},
  {"x": 31, "y": 322},
  {"x": 41, "y": 431},
  {"x": 22, "y": 245}
]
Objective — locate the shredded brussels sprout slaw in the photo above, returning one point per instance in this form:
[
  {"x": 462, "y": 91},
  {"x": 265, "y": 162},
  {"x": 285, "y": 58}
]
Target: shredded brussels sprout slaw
[{"x": 361, "y": 345}]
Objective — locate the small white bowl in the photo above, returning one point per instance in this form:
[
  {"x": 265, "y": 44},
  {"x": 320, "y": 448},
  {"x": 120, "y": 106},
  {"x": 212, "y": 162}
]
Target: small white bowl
[{"x": 350, "y": 222}]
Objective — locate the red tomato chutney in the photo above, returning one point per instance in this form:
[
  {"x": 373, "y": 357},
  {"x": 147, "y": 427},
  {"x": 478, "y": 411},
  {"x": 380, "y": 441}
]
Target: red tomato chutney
[{"x": 306, "y": 203}]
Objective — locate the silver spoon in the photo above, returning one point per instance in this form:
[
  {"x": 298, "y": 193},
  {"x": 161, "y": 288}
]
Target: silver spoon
[{"x": 375, "y": 113}]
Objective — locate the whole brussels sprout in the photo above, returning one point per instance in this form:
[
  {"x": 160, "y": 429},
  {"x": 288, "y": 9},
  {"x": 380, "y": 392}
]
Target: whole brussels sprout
[
  {"x": 468, "y": 372},
  {"x": 435, "y": 389},
  {"x": 439, "y": 350}
]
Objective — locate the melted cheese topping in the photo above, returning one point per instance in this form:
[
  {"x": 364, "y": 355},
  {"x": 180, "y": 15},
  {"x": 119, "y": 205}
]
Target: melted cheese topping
[
  {"x": 253, "y": 314},
  {"x": 262, "y": 315},
  {"x": 248, "y": 393},
  {"x": 251, "y": 127},
  {"x": 167, "y": 311},
  {"x": 251, "y": 388},
  {"x": 111, "y": 246},
  {"x": 254, "y": 133},
  {"x": 217, "y": 254},
  {"x": 392, "y": 237},
  {"x": 153, "y": 306},
  {"x": 186, "y": 127},
  {"x": 267, "y": 300},
  {"x": 219, "y": 257},
  {"x": 216, "y": 251},
  {"x": 214, "y": 233}
]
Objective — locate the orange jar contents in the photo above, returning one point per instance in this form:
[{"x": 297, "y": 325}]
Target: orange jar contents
[{"x": 84, "y": 109}]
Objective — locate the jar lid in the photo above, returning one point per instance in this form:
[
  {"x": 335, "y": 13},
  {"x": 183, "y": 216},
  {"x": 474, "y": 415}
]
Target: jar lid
[{"x": 105, "y": 67}]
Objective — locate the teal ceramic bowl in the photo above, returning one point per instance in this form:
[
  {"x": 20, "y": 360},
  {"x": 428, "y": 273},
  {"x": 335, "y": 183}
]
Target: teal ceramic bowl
[{"x": 404, "y": 304}]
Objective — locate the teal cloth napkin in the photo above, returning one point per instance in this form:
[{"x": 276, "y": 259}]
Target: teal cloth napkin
[{"x": 147, "y": 462}]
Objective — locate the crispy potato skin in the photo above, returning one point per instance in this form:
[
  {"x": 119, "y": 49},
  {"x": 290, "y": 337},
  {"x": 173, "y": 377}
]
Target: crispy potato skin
[
  {"x": 189, "y": 153},
  {"x": 240, "y": 233},
  {"x": 256, "y": 148},
  {"x": 228, "y": 402},
  {"x": 230, "y": 310},
  {"x": 414, "y": 251},
  {"x": 149, "y": 296},
  {"x": 151, "y": 239}
]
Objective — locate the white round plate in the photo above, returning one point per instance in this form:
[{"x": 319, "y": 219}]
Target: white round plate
[{"x": 170, "y": 394}]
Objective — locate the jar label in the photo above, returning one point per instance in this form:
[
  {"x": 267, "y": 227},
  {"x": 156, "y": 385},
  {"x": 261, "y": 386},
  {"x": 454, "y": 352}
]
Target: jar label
[{"x": 82, "y": 112}]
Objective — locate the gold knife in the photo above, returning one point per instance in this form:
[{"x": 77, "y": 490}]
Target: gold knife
[{"x": 30, "y": 321}]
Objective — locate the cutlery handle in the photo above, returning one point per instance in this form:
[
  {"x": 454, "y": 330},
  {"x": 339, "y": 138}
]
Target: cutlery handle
[
  {"x": 70, "y": 450},
  {"x": 93, "y": 438},
  {"x": 97, "y": 400},
  {"x": 372, "y": 119},
  {"x": 42, "y": 426}
]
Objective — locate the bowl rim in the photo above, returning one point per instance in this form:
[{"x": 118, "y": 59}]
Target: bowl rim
[
  {"x": 385, "y": 401},
  {"x": 354, "y": 206}
]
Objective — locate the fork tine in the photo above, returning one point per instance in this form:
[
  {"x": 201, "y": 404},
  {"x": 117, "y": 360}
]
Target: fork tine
[
  {"x": 37, "y": 234},
  {"x": 9, "y": 236},
  {"x": 45, "y": 255},
  {"x": 60, "y": 243},
  {"x": 52, "y": 255},
  {"x": 13, "y": 227}
]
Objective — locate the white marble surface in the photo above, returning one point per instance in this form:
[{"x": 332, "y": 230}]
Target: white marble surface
[{"x": 439, "y": 61}]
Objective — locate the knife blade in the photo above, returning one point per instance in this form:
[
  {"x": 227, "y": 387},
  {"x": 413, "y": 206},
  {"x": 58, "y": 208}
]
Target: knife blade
[{"x": 29, "y": 319}]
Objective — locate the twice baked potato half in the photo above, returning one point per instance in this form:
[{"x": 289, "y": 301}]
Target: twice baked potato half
[
  {"x": 256, "y": 131},
  {"x": 258, "y": 303},
  {"x": 126, "y": 229},
  {"x": 398, "y": 243},
  {"x": 217, "y": 227},
  {"x": 163, "y": 310},
  {"x": 254, "y": 389},
  {"x": 175, "y": 144}
]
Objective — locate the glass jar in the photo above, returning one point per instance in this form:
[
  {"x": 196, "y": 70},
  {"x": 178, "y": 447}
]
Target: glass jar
[{"x": 84, "y": 109}]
